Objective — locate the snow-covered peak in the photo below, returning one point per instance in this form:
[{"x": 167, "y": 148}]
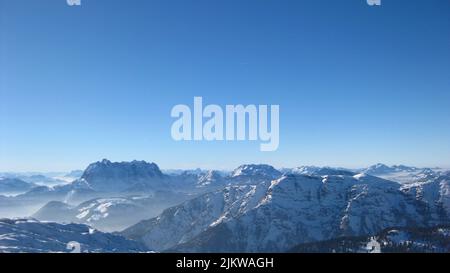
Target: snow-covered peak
[
  {"x": 256, "y": 170},
  {"x": 209, "y": 178},
  {"x": 122, "y": 176},
  {"x": 180, "y": 223},
  {"x": 404, "y": 168},
  {"x": 392, "y": 240},
  {"x": 378, "y": 168},
  {"x": 305, "y": 170},
  {"x": 433, "y": 193},
  {"x": 123, "y": 169},
  {"x": 272, "y": 216},
  {"x": 318, "y": 171}
]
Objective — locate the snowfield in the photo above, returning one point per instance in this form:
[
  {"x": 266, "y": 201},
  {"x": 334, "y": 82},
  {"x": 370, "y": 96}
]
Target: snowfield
[{"x": 29, "y": 235}]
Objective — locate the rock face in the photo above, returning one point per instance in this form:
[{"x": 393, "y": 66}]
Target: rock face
[
  {"x": 433, "y": 195},
  {"x": 28, "y": 235},
  {"x": 105, "y": 179},
  {"x": 273, "y": 217},
  {"x": 107, "y": 176}
]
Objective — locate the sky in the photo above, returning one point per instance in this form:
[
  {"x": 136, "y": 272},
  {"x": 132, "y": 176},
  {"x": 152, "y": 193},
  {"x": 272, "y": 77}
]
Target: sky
[{"x": 356, "y": 84}]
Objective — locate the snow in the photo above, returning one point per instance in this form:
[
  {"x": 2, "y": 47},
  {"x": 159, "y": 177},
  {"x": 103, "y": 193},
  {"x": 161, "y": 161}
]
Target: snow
[
  {"x": 373, "y": 246},
  {"x": 256, "y": 170},
  {"x": 256, "y": 207},
  {"x": 275, "y": 215},
  {"x": 29, "y": 235}
]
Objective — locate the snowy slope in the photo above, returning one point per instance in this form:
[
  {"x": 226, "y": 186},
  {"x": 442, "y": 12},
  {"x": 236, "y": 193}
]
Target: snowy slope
[
  {"x": 181, "y": 223},
  {"x": 402, "y": 174},
  {"x": 256, "y": 170},
  {"x": 291, "y": 210},
  {"x": 392, "y": 240},
  {"x": 313, "y": 170},
  {"x": 108, "y": 213},
  {"x": 28, "y": 235},
  {"x": 107, "y": 176},
  {"x": 434, "y": 195}
]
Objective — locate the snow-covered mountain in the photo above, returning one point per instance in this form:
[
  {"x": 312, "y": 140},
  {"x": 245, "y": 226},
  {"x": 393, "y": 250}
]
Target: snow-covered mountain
[
  {"x": 181, "y": 223},
  {"x": 28, "y": 235},
  {"x": 253, "y": 173},
  {"x": 201, "y": 181},
  {"x": 197, "y": 181},
  {"x": 109, "y": 213},
  {"x": 108, "y": 179},
  {"x": 401, "y": 173},
  {"x": 274, "y": 217},
  {"x": 105, "y": 179},
  {"x": 107, "y": 176},
  {"x": 115, "y": 207},
  {"x": 379, "y": 169},
  {"x": 196, "y": 171},
  {"x": 256, "y": 207},
  {"x": 74, "y": 174},
  {"x": 210, "y": 178},
  {"x": 313, "y": 170},
  {"x": 392, "y": 240}
]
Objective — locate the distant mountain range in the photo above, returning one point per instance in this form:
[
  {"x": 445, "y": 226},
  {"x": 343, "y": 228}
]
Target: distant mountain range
[
  {"x": 401, "y": 173},
  {"x": 43, "y": 179},
  {"x": 291, "y": 210},
  {"x": 13, "y": 186},
  {"x": 254, "y": 208}
]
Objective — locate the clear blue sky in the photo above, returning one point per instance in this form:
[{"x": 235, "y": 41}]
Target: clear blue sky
[{"x": 356, "y": 84}]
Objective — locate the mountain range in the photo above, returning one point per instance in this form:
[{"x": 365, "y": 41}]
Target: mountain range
[
  {"x": 254, "y": 208},
  {"x": 294, "y": 209},
  {"x": 13, "y": 186}
]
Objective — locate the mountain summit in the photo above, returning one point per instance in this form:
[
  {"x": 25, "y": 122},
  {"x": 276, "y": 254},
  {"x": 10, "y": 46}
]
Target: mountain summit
[
  {"x": 123, "y": 176},
  {"x": 256, "y": 171}
]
